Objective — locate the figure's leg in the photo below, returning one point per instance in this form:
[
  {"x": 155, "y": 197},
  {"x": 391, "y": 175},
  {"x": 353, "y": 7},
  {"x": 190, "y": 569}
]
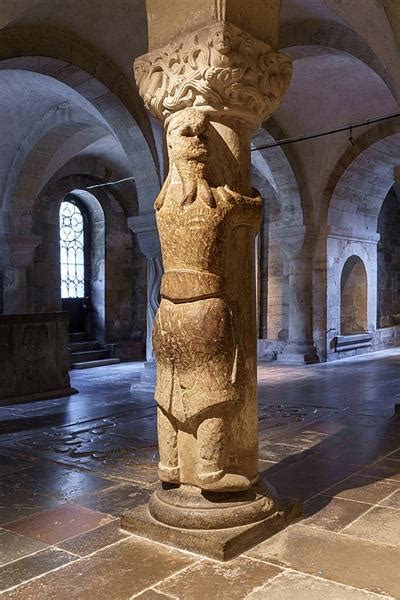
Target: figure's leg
[
  {"x": 211, "y": 448},
  {"x": 168, "y": 467}
]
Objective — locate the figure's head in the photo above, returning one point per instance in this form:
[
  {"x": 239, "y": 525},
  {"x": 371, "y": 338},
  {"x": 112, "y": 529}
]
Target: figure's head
[
  {"x": 187, "y": 135},
  {"x": 220, "y": 38}
]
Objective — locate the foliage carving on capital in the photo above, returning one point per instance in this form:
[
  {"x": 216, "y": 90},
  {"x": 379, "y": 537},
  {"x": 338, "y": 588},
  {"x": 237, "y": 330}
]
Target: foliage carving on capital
[{"x": 219, "y": 68}]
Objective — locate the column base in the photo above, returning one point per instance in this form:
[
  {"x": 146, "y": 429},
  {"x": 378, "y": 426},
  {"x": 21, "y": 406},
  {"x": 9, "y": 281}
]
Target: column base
[
  {"x": 299, "y": 353},
  {"x": 217, "y": 525}
]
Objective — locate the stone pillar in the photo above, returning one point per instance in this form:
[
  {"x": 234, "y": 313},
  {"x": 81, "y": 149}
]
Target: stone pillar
[
  {"x": 297, "y": 243},
  {"x": 19, "y": 251},
  {"x": 144, "y": 226},
  {"x": 211, "y": 88}
]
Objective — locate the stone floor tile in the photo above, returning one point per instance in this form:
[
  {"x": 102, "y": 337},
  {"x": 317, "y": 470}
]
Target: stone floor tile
[
  {"x": 115, "y": 573},
  {"x": 384, "y": 469},
  {"x": 31, "y": 566},
  {"x": 58, "y": 524},
  {"x": 351, "y": 452},
  {"x": 14, "y": 546},
  {"x": 393, "y": 501},
  {"x": 94, "y": 540},
  {"x": 308, "y": 477},
  {"x": 332, "y": 513},
  {"x": 296, "y": 586},
  {"x": 11, "y": 464},
  {"x": 338, "y": 557},
  {"x": 277, "y": 452},
  {"x": 380, "y": 525},
  {"x": 363, "y": 489},
  {"x": 116, "y": 499},
  {"x": 233, "y": 580},
  {"x": 16, "y": 504},
  {"x": 57, "y": 481},
  {"x": 327, "y": 427},
  {"x": 130, "y": 468}
]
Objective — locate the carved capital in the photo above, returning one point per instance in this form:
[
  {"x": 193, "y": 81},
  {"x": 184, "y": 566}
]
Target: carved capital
[{"x": 218, "y": 68}]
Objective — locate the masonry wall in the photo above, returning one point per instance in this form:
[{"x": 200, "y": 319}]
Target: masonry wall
[{"x": 339, "y": 250}]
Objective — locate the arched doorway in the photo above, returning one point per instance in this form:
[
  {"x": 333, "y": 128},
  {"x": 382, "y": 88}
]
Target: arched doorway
[
  {"x": 353, "y": 297},
  {"x": 388, "y": 261},
  {"x": 82, "y": 263},
  {"x": 75, "y": 263}
]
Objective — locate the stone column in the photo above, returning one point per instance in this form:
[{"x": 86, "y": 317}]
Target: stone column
[
  {"x": 19, "y": 251},
  {"x": 211, "y": 89},
  {"x": 297, "y": 243},
  {"x": 144, "y": 226}
]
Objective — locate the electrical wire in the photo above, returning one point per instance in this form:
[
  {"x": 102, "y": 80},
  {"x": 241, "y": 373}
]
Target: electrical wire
[
  {"x": 312, "y": 136},
  {"x": 91, "y": 187}
]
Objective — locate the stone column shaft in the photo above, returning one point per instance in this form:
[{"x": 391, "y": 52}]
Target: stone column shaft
[
  {"x": 154, "y": 274},
  {"x": 144, "y": 226},
  {"x": 297, "y": 243},
  {"x": 211, "y": 89},
  {"x": 18, "y": 252}
]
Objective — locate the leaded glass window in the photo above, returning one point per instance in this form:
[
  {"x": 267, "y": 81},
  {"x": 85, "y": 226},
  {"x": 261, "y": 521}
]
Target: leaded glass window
[{"x": 72, "y": 258}]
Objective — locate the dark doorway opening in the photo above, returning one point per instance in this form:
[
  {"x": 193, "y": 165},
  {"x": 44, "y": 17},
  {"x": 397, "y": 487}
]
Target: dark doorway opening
[{"x": 75, "y": 264}]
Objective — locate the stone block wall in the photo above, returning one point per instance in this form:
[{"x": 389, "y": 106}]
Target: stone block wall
[{"x": 340, "y": 248}]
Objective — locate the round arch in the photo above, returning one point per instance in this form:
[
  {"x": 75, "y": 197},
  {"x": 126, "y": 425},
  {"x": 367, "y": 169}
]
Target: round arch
[
  {"x": 124, "y": 118},
  {"x": 353, "y": 297}
]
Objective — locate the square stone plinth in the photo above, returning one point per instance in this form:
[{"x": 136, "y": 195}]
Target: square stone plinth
[{"x": 219, "y": 544}]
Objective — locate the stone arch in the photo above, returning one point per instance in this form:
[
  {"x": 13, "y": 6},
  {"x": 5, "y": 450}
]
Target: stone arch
[
  {"x": 340, "y": 249},
  {"x": 25, "y": 177},
  {"x": 125, "y": 266},
  {"x": 51, "y": 42},
  {"x": 361, "y": 179},
  {"x": 334, "y": 35},
  {"x": 353, "y": 297},
  {"x": 125, "y": 117},
  {"x": 275, "y": 167},
  {"x": 351, "y": 201}
]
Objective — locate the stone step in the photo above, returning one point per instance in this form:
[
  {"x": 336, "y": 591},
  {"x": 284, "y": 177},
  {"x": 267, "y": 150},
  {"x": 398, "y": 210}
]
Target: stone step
[
  {"x": 78, "y": 337},
  {"x": 90, "y": 355},
  {"x": 90, "y": 364},
  {"x": 82, "y": 346}
]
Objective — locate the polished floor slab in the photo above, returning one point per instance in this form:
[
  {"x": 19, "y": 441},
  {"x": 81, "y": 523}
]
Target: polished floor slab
[{"x": 328, "y": 434}]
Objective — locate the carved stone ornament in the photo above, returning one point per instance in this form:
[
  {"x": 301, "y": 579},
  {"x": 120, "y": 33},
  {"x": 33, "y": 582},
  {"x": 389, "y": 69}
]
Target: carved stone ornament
[{"x": 221, "y": 67}]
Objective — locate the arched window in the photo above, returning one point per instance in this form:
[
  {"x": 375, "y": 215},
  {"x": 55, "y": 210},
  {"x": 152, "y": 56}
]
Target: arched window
[
  {"x": 72, "y": 250},
  {"x": 353, "y": 297}
]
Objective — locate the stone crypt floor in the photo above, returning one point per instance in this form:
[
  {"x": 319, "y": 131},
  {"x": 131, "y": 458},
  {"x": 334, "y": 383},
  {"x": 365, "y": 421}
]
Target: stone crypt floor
[{"x": 328, "y": 434}]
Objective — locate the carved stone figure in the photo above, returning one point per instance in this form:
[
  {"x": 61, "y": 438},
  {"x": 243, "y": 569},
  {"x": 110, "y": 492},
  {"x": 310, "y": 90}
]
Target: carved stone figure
[
  {"x": 211, "y": 88},
  {"x": 200, "y": 360}
]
